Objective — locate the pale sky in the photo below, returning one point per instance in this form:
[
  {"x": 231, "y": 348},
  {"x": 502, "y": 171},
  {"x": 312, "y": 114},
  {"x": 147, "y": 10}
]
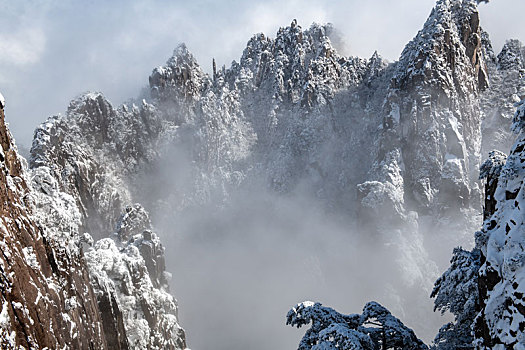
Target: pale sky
[{"x": 52, "y": 50}]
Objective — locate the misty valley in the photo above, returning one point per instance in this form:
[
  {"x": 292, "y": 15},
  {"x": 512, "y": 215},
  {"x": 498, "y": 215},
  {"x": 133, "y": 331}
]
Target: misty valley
[{"x": 297, "y": 198}]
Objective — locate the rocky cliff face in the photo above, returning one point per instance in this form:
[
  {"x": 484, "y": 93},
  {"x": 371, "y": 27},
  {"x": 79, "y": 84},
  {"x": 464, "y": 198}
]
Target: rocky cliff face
[
  {"x": 80, "y": 169},
  {"x": 46, "y": 295},
  {"x": 89, "y": 152},
  {"x": 427, "y": 155}
]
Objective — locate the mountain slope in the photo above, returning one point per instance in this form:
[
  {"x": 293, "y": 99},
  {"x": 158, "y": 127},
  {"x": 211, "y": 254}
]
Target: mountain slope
[
  {"x": 78, "y": 167},
  {"x": 507, "y": 87}
]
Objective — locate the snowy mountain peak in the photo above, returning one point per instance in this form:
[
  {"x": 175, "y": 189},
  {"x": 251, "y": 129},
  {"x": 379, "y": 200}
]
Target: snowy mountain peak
[
  {"x": 512, "y": 55},
  {"x": 94, "y": 113},
  {"x": 450, "y": 35},
  {"x": 432, "y": 104},
  {"x": 293, "y": 41},
  {"x": 181, "y": 77},
  {"x": 181, "y": 54}
]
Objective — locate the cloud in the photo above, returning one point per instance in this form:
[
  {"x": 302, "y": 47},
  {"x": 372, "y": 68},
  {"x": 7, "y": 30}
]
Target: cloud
[
  {"x": 22, "y": 48},
  {"x": 503, "y": 20}
]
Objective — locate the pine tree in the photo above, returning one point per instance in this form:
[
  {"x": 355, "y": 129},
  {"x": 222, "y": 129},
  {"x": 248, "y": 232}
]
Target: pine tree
[{"x": 375, "y": 328}]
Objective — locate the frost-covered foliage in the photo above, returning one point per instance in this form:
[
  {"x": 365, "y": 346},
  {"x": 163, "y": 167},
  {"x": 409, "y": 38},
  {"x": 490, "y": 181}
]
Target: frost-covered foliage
[
  {"x": 511, "y": 55},
  {"x": 491, "y": 168},
  {"x": 375, "y": 328},
  {"x": 128, "y": 269},
  {"x": 489, "y": 171},
  {"x": 322, "y": 318},
  {"x": 518, "y": 121},
  {"x": 456, "y": 291}
]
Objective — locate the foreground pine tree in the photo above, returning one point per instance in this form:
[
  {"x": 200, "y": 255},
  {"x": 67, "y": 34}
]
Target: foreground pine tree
[{"x": 375, "y": 328}]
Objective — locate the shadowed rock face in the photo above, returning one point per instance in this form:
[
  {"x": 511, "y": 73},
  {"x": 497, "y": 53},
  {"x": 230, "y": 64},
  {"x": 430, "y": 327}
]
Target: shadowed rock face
[{"x": 46, "y": 296}]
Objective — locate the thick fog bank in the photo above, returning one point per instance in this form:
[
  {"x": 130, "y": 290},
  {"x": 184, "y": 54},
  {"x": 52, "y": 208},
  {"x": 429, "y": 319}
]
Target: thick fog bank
[{"x": 238, "y": 267}]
